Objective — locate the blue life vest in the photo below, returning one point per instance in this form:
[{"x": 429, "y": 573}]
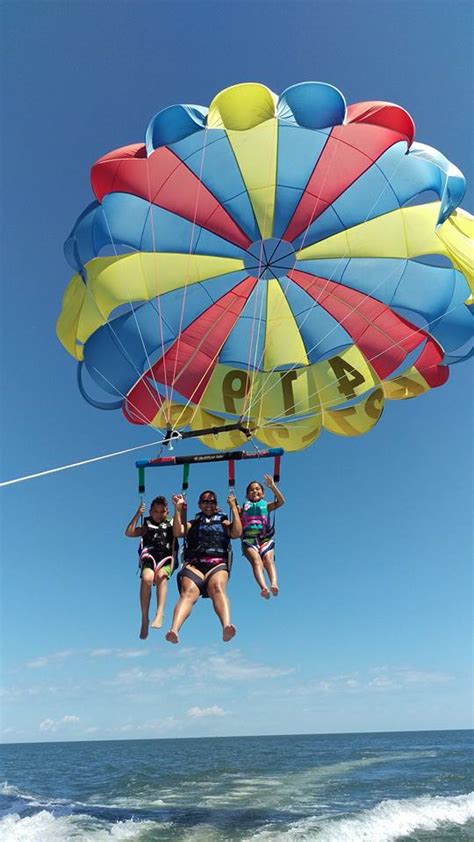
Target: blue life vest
[{"x": 207, "y": 536}]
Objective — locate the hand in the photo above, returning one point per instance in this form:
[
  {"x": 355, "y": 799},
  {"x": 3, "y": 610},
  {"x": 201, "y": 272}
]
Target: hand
[
  {"x": 140, "y": 509},
  {"x": 231, "y": 499},
  {"x": 179, "y": 501},
  {"x": 269, "y": 482}
]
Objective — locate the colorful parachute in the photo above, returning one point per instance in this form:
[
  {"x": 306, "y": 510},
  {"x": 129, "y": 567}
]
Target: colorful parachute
[{"x": 271, "y": 260}]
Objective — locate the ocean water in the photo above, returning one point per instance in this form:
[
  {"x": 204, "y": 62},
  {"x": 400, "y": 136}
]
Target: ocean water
[{"x": 330, "y": 788}]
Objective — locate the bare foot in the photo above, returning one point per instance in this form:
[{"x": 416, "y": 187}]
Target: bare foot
[
  {"x": 274, "y": 590},
  {"x": 228, "y": 633},
  {"x": 157, "y": 622},
  {"x": 144, "y": 630},
  {"x": 172, "y": 637},
  {"x": 265, "y": 593}
]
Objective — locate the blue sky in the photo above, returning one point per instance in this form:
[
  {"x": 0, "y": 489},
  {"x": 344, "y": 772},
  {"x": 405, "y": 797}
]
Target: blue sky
[{"x": 372, "y": 629}]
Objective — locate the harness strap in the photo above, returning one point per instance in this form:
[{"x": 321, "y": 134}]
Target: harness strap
[{"x": 276, "y": 478}]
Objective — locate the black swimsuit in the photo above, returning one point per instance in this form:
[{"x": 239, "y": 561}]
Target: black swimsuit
[
  {"x": 207, "y": 570},
  {"x": 205, "y": 531}
]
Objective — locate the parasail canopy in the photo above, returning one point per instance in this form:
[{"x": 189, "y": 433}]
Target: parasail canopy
[{"x": 289, "y": 262}]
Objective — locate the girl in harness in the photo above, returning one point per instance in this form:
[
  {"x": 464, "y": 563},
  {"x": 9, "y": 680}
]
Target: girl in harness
[
  {"x": 257, "y": 533},
  {"x": 206, "y": 566},
  {"x": 157, "y": 558}
]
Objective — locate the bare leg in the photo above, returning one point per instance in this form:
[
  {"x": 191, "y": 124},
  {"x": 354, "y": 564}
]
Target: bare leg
[
  {"x": 161, "y": 582},
  {"x": 257, "y": 567},
  {"x": 216, "y": 590},
  {"x": 145, "y": 594},
  {"x": 188, "y": 596},
  {"x": 269, "y": 565}
]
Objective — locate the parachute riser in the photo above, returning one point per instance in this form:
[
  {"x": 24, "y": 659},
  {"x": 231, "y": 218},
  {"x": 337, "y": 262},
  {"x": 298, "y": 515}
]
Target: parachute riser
[
  {"x": 177, "y": 435},
  {"x": 141, "y": 489}
]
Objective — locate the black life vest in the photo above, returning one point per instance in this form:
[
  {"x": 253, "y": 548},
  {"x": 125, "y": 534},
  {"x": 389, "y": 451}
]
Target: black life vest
[
  {"x": 158, "y": 536},
  {"x": 207, "y": 536}
]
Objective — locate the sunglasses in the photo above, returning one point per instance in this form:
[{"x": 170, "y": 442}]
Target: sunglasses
[{"x": 208, "y": 500}]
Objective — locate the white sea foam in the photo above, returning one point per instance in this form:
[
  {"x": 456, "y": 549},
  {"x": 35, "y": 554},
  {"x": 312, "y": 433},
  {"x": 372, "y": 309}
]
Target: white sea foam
[
  {"x": 44, "y": 826},
  {"x": 290, "y": 791},
  {"x": 13, "y": 791},
  {"x": 201, "y": 833},
  {"x": 125, "y": 803},
  {"x": 297, "y": 782},
  {"x": 343, "y": 767},
  {"x": 26, "y": 799},
  {"x": 387, "y": 822},
  {"x": 258, "y": 782}
]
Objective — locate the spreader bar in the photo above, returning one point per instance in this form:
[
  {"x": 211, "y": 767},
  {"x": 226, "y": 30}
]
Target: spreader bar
[{"x": 226, "y": 456}]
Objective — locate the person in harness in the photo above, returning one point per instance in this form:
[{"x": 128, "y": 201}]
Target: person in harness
[
  {"x": 258, "y": 532},
  {"x": 207, "y": 559},
  {"x": 157, "y": 558}
]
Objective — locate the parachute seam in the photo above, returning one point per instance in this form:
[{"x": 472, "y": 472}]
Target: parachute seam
[
  {"x": 182, "y": 162},
  {"x": 261, "y": 390},
  {"x": 245, "y": 190},
  {"x": 139, "y": 253},
  {"x": 341, "y": 322},
  {"x": 109, "y": 325},
  {"x": 183, "y": 301},
  {"x": 125, "y": 397},
  {"x": 346, "y": 256},
  {"x": 211, "y": 328},
  {"x": 263, "y": 325},
  {"x": 158, "y": 297},
  {"x": 369, "y": 360}
]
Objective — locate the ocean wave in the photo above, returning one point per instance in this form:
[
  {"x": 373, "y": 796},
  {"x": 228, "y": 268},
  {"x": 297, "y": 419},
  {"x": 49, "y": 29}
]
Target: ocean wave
[
  {"x": 11, "y": 791},
  {"x": 387, "y": 822},
  {"x": 44, "y": 826}
]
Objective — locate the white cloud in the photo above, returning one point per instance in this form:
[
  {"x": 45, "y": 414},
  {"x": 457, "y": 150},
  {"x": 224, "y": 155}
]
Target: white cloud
[
  {"x": 235, "y": 668},
  {"x": 46, "y": 660},
  {"x": 419, "y": 677},
  {"x": 53, "y": 724},
  {"x": 373, "y": 680},
  {"x": 117, "y": 653},
  {"x": 15, "y": 693},
  {"x": 200, "y": 713},
  {"x": 131, "y": 653},
  {"x": 100, "y": 653},
  {"x": 138, "y": 676},
  {"x": 381, "y": 682},
  {"x": 57, "y": 657}
]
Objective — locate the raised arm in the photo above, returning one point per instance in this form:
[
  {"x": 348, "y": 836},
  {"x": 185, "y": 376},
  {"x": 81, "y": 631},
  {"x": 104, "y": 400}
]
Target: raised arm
[
  {"x": 235, "y": 526},
  {"x": 279, "y": 499},
  {"x": 132, "y": 530},
  {"x": 178, "y": 524}
]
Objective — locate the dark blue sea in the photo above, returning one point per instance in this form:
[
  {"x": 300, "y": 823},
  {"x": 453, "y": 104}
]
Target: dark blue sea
[{"x": 330, "y": 788}]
